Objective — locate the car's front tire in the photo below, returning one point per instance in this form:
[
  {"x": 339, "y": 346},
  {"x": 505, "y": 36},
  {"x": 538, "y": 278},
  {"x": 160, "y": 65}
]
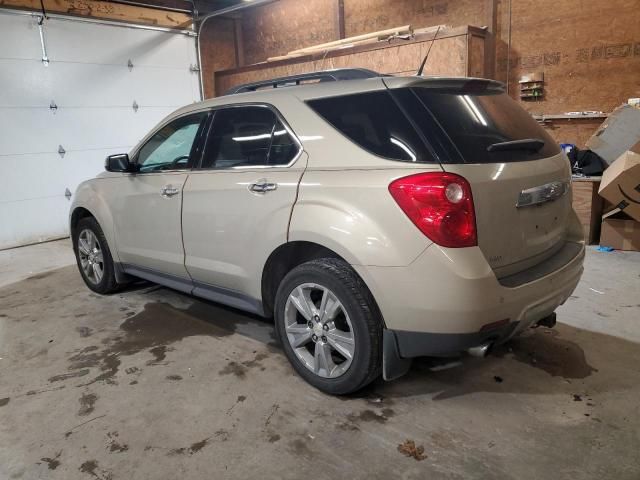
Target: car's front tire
[
  {"x": 94, "y": 257},
  {"x": 329, "y": 326}
]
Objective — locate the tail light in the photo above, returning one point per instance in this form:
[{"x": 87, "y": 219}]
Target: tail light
[{"x": 440, "y": 205}]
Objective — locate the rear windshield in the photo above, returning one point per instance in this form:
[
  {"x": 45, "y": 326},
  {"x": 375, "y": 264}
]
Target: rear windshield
[
  {"x": 443, "y": 125},
  {"x": 473, "y": 121},
  {"x": 375, "y": 122}
]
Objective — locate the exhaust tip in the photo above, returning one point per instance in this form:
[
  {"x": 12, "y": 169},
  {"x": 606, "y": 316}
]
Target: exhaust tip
[{"x": 480, "y": 351}]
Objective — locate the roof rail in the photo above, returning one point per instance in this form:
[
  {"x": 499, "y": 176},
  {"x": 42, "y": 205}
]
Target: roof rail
[{"x": 322, "y": 76}]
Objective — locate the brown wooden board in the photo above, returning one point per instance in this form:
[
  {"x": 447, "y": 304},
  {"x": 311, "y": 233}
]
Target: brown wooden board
[
  {"x": 588, "y": 206},
  {"x": 107, "y": 11}
]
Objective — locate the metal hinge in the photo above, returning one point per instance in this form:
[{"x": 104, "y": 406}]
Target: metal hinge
[{"x": 194, "y": 68}]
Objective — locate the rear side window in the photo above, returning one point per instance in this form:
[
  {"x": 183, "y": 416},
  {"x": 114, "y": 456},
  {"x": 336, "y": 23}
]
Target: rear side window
[
  {"x": 475, "y": 120},
  {"x": 245, "y": 137},
  {"x": 374, "y": 121}
]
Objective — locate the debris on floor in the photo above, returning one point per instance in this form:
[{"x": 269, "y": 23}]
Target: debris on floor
[
  {"x": 409, "y": 449},
  {"x": 498, "y": 379}
]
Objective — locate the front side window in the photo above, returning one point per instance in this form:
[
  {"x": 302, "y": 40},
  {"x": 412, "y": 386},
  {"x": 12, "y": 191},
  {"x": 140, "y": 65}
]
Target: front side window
[
  {"x": 245, "y": 137},
  {"x": 171, "y": 147}
]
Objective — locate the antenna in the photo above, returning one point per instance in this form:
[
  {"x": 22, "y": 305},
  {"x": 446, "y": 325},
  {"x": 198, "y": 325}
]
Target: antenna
[{"x": 424, "y": 62}]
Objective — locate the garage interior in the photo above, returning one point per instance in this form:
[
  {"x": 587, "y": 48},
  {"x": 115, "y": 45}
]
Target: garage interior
[{"x": 153, "y": 383}]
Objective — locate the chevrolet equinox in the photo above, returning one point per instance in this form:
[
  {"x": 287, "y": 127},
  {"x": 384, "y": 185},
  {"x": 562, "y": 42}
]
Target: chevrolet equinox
[{"x": 375, "y": 218}]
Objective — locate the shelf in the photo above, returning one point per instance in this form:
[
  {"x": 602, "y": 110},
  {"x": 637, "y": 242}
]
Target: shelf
[{"x": 563, "y": 116}]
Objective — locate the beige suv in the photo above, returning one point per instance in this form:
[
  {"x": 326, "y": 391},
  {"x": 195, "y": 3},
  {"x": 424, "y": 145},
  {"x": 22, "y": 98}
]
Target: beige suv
[{"x": 376, "y": 218}]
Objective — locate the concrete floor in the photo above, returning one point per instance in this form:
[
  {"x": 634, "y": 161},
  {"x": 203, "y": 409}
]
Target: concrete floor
[{"x": 153, "y": 384}]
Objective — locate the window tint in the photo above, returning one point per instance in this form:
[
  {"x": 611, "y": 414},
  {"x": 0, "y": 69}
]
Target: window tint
[
  {"x": 283, "y": 147},
  {"x": 474, "y": 120},
  {"x": 374, "y": 122},
  {"x": 246, "y": 137},
  {"x": 171, "y": 147}
]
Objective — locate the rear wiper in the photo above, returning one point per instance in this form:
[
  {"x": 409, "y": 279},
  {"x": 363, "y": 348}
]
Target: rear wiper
[{"x": 530, "y": 144}]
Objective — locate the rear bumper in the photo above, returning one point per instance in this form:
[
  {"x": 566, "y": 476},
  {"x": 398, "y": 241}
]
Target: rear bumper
[
  {"x": 422, "y": 344},
  {"x": 446, "y": 300}
]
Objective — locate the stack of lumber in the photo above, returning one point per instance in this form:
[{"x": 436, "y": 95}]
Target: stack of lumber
[{"x": 405, "y": 31}]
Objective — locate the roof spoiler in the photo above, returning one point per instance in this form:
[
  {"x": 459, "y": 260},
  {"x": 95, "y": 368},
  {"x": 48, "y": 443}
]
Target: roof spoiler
[
  {"x": 467, "y": 85},
  {"x": 321, "y": 76}
]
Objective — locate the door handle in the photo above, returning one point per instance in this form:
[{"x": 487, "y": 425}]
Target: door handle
[
  {"x": 169, "y": 191},
  {"x": 263, "y": 187}
]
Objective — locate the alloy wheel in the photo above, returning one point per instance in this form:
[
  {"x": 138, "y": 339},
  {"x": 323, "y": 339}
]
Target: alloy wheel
[
  {"x": 91, "y": 257},
  {"x": 319, "y": 330}
]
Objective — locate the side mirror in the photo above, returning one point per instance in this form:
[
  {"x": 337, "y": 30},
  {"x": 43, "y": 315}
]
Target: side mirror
[{"x": 118, "y": 163}]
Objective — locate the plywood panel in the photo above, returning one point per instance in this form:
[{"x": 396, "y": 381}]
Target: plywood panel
[
  {"x": 589, "y": 51},
  {"x": 218, "y": 51},
  {"x": 278, "y": 28},
  {"x": 448, "y": 57},
  {"x": 363, "y": 16}
]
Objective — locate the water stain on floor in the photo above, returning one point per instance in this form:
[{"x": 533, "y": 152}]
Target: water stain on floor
[
  {"x": 371, "y": 416},
  {"x": 153, "y": 329},
  {"x": 52, "y": 463},
  {"x": 190, "y": 450},
  {"x": 548, "y": 351},
  {"x": 87, "y": 403}
]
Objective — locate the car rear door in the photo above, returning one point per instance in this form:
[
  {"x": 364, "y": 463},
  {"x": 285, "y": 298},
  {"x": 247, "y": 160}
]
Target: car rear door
[{"x": 237, "y": 204}]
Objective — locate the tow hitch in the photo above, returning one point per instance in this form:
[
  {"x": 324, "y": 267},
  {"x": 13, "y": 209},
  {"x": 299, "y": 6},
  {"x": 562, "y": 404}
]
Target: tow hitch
[{"x": 548, "y": 322}]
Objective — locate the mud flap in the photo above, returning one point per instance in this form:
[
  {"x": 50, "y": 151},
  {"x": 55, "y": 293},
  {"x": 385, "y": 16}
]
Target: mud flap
[{"x": 393, "y": 366}]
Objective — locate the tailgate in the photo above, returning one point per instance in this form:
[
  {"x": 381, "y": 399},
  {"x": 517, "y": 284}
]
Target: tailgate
[
  {"x": 514, "y": 237},
  {"x": 519, "y": 178}
]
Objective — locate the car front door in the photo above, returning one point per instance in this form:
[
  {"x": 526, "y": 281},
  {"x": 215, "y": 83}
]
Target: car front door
[
  {"x": 237, "y": 204},
  {"x": 148, "y": 203}
]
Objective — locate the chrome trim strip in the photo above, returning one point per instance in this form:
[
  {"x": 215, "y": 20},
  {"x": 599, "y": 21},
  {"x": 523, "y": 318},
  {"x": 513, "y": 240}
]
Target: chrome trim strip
[{"x": 542, "y": 194}]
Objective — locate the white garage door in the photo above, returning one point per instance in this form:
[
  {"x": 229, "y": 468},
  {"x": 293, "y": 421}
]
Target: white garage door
[{"x": 102, "y": 90}]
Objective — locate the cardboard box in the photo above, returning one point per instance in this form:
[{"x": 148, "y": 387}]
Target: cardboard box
[
  {"x": 620, "y": 183},
  {"x": 617, "y": 134},
  {"x": 620, "y": 232}
]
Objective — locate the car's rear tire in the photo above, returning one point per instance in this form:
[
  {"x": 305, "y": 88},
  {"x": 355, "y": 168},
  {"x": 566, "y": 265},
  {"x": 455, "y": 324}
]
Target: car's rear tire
[
  {"x": 94, "y": 257},
  {"x": 329, "y": 326}
]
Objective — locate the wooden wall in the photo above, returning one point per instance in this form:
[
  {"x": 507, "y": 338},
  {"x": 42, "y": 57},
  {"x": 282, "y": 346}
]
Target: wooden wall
[
  {"x": 448, "y": 57},
  {"x": 286, "y": 25},
  {"x": 218, "y": 50},
  {"x": 589, "y": 50}
]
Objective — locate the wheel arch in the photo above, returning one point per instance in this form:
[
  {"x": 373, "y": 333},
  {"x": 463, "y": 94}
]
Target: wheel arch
[
  {"x": 288, "y": 256},
  {"x": 282, "y": 260}
]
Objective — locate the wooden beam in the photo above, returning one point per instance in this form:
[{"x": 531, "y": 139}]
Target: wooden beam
[
  {"x": 239, "y": 41},
  {"x": 491, "y": 15},
  {"x": 106, "y": 11},
  {"x": 491, "y": 22},
  {"x": 340, "y": 20}
]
